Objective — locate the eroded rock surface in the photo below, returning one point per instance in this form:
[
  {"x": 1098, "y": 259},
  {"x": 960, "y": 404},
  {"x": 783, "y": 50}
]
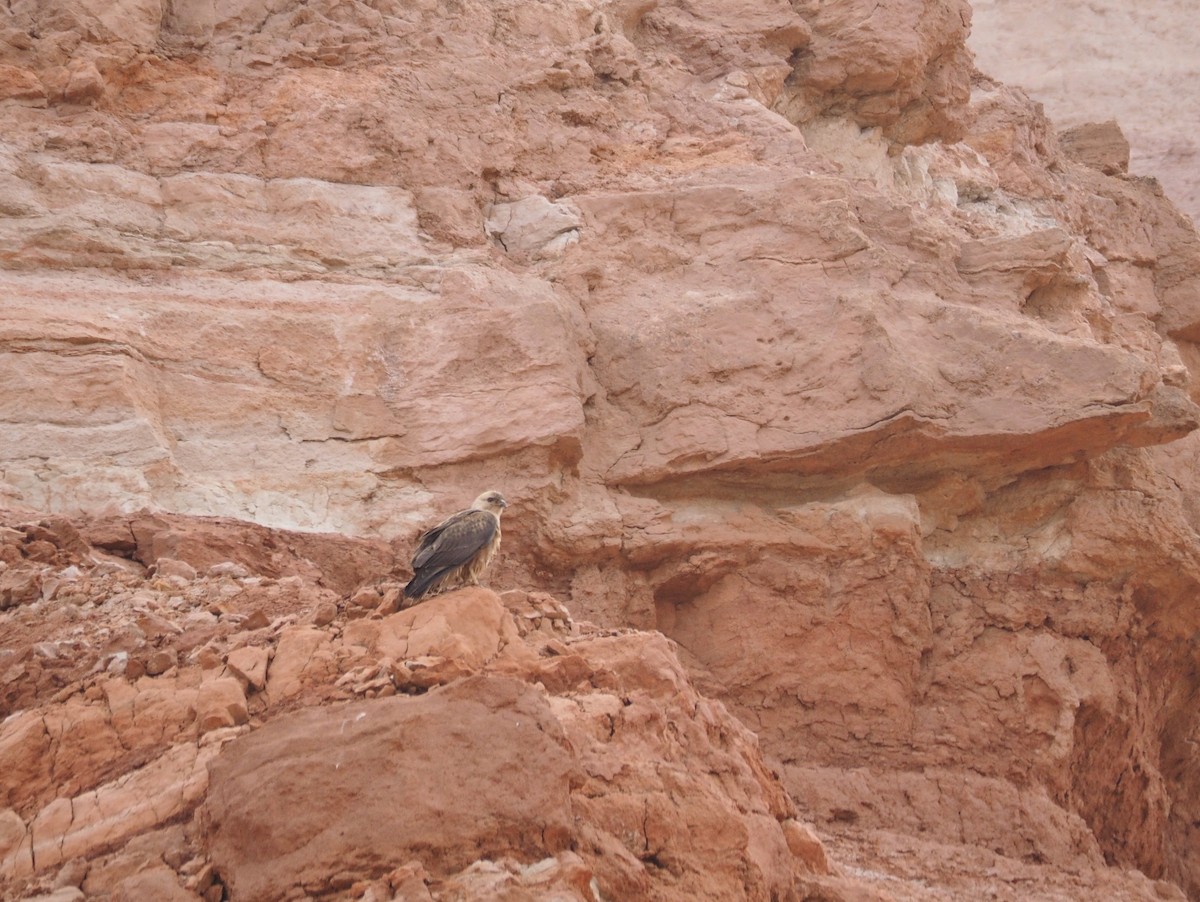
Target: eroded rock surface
[
  {"x": 472, "y": 744},
  {"x": 787, "y": 334},
  {"x": 1117, "y": 63}
]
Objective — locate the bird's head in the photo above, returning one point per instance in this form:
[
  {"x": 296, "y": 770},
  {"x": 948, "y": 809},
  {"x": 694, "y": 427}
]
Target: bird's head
[{"x": 490, "y": 500}]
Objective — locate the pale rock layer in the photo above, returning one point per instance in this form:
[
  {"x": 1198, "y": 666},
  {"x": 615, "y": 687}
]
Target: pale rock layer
[{"x": 1105, "y": 60}]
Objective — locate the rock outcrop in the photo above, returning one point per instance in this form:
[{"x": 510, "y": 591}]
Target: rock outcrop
[
  {"x": 787, "y": 335},
  {"x": 1116, "y": 63},
  {"x": 472, "y": 745}
]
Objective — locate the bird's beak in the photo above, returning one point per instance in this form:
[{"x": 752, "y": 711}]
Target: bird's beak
[{"x": 503, "y": 504}]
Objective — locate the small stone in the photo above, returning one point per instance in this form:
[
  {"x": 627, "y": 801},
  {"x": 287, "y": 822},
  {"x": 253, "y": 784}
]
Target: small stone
[
  {"x": 160, "y": 662},
  {"x": 71, "y": 873},
  {"x": 366, "y": 597},
  {"x": 228, "y": 568},
  {"x": 324, "y": 613},
  {"x": 806, "y": 846},
  {"x": 207, "y": 657},
  {"x": 220, "y": 703},
  {"x": 391, "y": 601},
  {"x": 41, "y": 551},
  {"x": 10, "y": 536},
  {"x": 256, "y": 621},
  {"x": 166, "y": 567},
  {"x": 202, "y": 879},
  {"x": 214, "y": 893},
  {"x": 118, "y": 663},
  {"x": 192, "y": 866},
  {"x": 19, "y": 587},
  {"x": 401, "y": 675},
  {"x": 410, "y": 881},
  {"x": 85, "y": 84},
  {"x": 249, "y": 664}
]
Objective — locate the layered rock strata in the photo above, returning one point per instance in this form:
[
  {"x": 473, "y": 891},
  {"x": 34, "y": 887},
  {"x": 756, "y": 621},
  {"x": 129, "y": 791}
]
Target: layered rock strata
[{"x": 786, "y": 334}]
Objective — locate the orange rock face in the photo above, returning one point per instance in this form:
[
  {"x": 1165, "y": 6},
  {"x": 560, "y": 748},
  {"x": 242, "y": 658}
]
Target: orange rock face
[
  {"x": 466, "y": 746},
  {"x": 846, "y": 412}
]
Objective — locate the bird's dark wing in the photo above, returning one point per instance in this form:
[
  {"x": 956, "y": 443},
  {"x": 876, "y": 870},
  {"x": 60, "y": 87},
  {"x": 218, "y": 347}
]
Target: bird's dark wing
[{"x": 455, "y": 540}]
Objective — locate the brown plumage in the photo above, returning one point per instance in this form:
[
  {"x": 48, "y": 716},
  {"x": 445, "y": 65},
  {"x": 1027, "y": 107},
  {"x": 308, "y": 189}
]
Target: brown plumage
[{"x": 458, "y": 549}]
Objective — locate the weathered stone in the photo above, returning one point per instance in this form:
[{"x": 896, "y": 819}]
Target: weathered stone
[
  {"x": 65, "y": 894},
  {"x": 804, "y": 843},
  {"x": 221, "y": 702},
  {"x": 249, "y": 664},
  {"x": 153, "y": 883},
  {"x": 324, "y": 613},
  {"x": 1101, "y": 145},
  {"x": 159, "y": 662},
  {"x": 19, "y": 587},
  {"x": 366, "y": 597},
  {"x": 462, "y": 787},
  {"x": 17, "y": 83},
  {"x": 256, "y": 621},
  {"x": 84, "y": 84},
  {"x": 166, "y": 567},
  {"x": 71, "y": 873},
  {"x": 16, "y": 855},
  {"x": 112, "y": 813},
  {"x": 299, "y": 658},
  {"x": 533, "y": 227}
]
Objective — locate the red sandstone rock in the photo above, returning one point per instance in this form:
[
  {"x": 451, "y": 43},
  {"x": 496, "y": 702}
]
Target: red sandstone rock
[
  {"x": 787, "y": 336},
  {"x": 483, "y": 763},
  {"x": 249, "y": 664}
]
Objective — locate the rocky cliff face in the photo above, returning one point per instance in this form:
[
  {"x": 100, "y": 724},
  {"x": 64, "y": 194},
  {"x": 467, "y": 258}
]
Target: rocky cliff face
[
  {"x": 787, "y": 335},
  {"x": 1101, "y": 60}
]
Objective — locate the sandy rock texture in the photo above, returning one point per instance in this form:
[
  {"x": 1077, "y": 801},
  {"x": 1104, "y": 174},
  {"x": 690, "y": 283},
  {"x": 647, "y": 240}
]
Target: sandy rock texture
[
  {"x": 1104, "y": 60},
  {"x": 788, "y": 335},
  {"x": 474, "y": 746}
]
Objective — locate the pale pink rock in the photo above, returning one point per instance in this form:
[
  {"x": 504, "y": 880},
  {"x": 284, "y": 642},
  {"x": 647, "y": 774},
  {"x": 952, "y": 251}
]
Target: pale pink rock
[
  {"x": 1128, "y": 64},
  {"x": 220, "y": 702},
  {"x": 17, "y": 83},
  {"x": 84, "y": 84},
  {"x": 116, "y": 811},
  {"x": 804, "y": 843},
  {"x": 469, "y": 625},
  {"x": 159, "y": 662},
  {"x": 153, "y": 883},
  {"x": 16, "y": 857},
  {"x": 167, "y": 567},
  {"x": 17, "y": 587},
  {"x": 249, "y": 664},
  {"x": 533, "y": 227},
  {"x": 300, "y": 658}
]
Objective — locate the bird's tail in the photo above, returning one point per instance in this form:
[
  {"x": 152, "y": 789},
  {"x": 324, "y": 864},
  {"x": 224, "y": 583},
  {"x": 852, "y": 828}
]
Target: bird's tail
[{"x": 421, "y": 583}]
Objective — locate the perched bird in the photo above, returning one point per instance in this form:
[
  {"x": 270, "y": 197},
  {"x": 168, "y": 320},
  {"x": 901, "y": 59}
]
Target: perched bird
[{"x": 458, "y": 549}]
